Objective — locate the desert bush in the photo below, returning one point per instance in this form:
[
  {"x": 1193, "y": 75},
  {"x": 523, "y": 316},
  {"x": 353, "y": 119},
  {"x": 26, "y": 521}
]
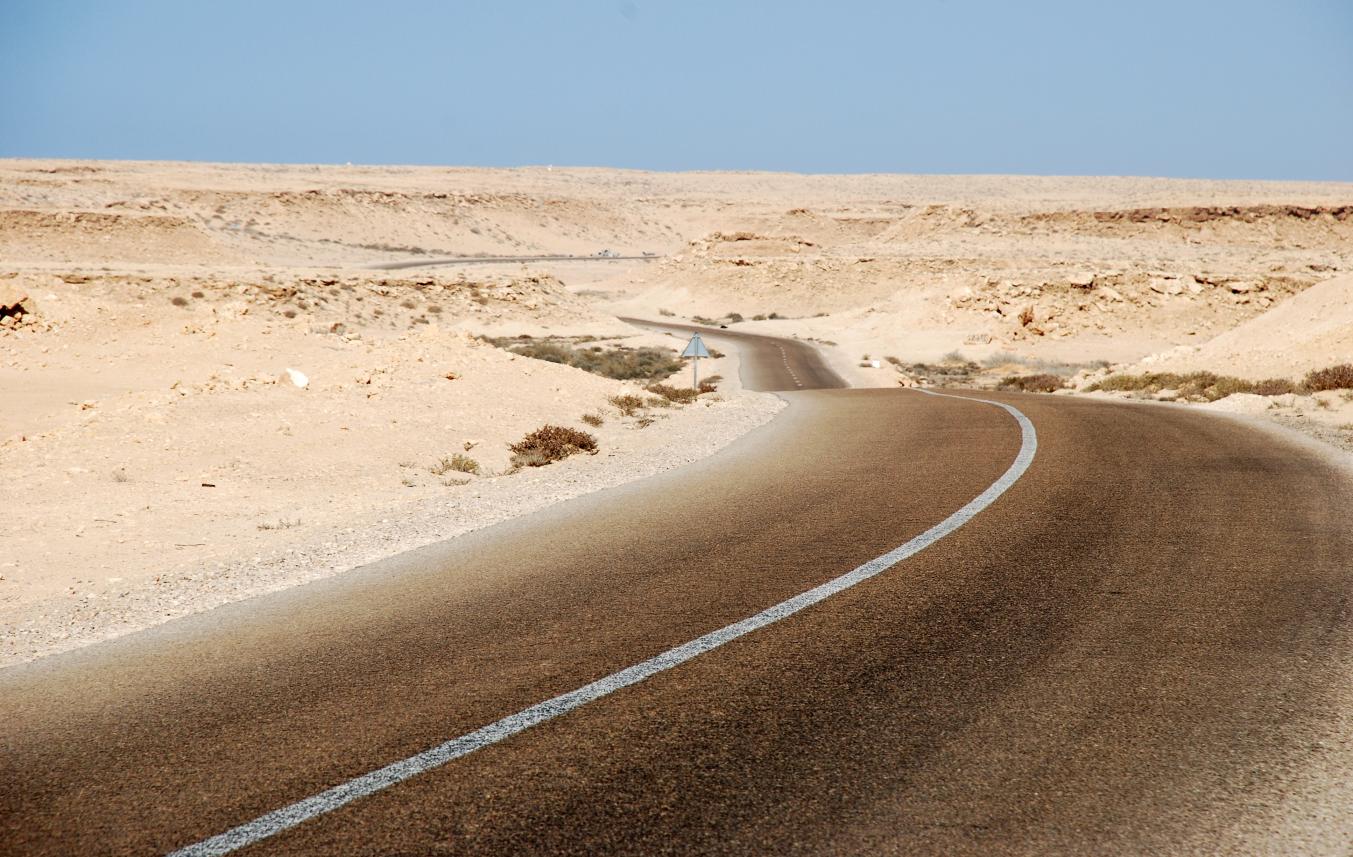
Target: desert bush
[
  {"x": 1042, "y": 383},
  {"x": 593, "y": 420},
  {"x": 178, "y": 300},
  {"x": 677, "y": 395},
  {"x": 458, "y": 463},
  {"x": 619, "y": 362},
  {"x": 1195, "y": 385},
  {"x": 551, "y": 443},
  {"x": 1338, "y": 377},
  {"x": 628, "y": 404},
  {"x": 1275, "y": 387},
  {"x": 710, "y": 384}
]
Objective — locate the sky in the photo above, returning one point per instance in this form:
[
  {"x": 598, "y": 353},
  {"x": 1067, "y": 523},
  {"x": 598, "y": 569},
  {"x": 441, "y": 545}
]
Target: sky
[{"x": 1240, "y": 89}]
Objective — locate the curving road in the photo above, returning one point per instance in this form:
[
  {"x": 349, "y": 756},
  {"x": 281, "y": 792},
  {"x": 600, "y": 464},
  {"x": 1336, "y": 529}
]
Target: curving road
[{"x": 1142, "y": 646}]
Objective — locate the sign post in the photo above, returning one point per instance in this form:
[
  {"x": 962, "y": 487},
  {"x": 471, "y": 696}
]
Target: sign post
[{"x": 696, "y": 349}]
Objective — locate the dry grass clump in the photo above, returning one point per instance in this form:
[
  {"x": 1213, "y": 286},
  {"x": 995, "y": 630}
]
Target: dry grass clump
[
  {"x": 1207, "y": 386},
  {"x": 617, "y": 361},
  {"x": 281, "y": 524},
  {"x": 676, "y": 395},
  {"x": 1338, "y": 377},
  {"x": 710, "y": 384},
  {"x": 1040, "y": 383},
  {"x": 954, "y": 371},
  {"x": 551, "y": 443},
  {"x": 594, "y": 420},
  {"x": 457, "y": 463},
  {"x": 628, "y": 405}
]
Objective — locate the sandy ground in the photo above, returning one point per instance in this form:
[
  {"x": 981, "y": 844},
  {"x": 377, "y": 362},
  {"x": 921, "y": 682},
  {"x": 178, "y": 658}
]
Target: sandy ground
[{"x": 159, "y": 458}]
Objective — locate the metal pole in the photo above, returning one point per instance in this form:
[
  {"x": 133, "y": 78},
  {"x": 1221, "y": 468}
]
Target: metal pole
[{"x": 695, "y": 377}]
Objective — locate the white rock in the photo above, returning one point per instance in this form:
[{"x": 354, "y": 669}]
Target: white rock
[{"x": 298, "y": 378}]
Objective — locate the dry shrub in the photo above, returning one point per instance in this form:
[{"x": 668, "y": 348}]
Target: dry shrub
[
  {"x": 1275, "y": 387},
  {"x": 551, "y": 443},
  {"x": 619, "y": 362},
  {"x": 1026, "y": 316},
  {"x": 593, "y": 420},
  {"x": 628, "y": 404},
  {"x": 710, "y": 384},
  {"x": 1041, "y": 383},
  {"x": 1196, "y": 385},
  {"x": 677, "y": 395},
  {"x": 458, "y": 463},
  {"x": 1338, "y": 377}
]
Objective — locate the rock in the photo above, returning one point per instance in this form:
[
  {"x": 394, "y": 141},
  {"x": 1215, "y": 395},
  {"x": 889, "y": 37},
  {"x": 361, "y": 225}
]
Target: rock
[
  {"x": 11, "y": 298},
  {"x": 298, "y": 378},
  {"x": 1081, "y": 280},
  {"x": 1240, "y": 287},
  {"x": 1167, "y": 395},
  {"x": 1110, "y": 293},
  {"x": 471, "y": 444}
]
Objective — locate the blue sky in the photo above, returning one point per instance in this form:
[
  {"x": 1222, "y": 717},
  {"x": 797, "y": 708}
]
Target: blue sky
[{"x": 1225, "y": 89}]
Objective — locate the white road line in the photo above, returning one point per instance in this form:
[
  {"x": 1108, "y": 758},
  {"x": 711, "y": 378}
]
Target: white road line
[{"x": 327, "y": 801}]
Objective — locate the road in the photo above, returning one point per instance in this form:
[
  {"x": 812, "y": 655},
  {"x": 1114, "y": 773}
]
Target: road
[
  {"x": 436, "y": 262},
  {"x": 1139, "y": 647}
]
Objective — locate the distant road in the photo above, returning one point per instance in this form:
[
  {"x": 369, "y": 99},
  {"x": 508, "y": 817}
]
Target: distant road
[
  {"x": 770, "y": 363},
  {"x": 485, "y": 260},
  {"x": 885, "y": 623}
]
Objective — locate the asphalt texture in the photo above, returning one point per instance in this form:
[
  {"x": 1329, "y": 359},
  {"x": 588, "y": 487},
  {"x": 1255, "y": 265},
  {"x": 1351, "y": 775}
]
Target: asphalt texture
[{"x": 1122, "y": 655}]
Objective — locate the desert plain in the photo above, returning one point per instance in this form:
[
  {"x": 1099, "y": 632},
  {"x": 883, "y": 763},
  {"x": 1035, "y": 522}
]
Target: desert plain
[{"x": 219, "y": 380}]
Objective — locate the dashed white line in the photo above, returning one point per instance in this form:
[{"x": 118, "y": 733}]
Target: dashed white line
[{"x": 327, "y": 801}]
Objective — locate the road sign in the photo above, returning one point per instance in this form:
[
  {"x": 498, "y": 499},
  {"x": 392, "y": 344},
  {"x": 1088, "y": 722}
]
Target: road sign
[{"x": 696, "y": 349}]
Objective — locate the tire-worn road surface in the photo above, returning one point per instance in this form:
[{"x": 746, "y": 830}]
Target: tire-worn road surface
[{"x": 1131, "y": 651}]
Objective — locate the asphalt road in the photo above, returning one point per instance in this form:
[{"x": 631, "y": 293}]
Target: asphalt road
[{"x": 1135, "y": 649}]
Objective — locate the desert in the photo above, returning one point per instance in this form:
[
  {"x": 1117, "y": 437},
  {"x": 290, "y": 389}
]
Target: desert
[{"x": 220, "y": 380}]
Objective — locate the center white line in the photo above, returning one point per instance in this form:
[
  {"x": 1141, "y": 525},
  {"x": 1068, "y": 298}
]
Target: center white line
[{"x": 327, "y": 801}]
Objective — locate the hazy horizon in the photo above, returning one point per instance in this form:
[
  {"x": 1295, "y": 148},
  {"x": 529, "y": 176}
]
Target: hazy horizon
[{"x": 1211, "y": 91}]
